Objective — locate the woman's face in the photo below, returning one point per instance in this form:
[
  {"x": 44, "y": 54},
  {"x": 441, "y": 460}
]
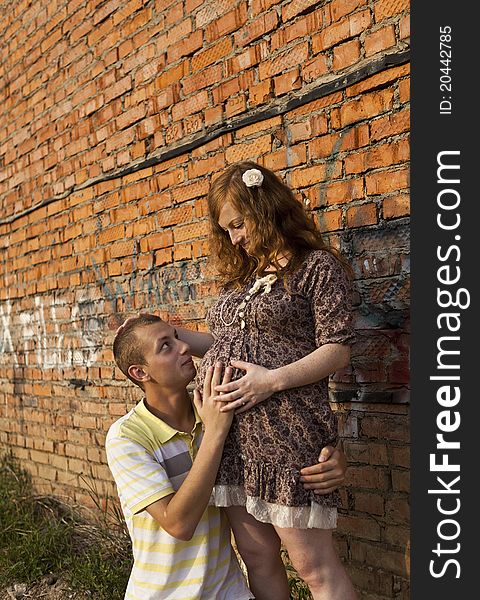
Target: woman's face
[{"x": 233, "y": 222}]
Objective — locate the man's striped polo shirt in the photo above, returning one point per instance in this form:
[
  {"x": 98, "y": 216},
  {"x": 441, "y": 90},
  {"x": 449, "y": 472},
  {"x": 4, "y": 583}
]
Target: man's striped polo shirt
[{"x": 150, "y": 460}]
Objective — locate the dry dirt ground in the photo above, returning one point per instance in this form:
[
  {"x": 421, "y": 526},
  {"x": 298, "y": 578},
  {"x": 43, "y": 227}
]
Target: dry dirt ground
[{"x": 48, "y": 588}]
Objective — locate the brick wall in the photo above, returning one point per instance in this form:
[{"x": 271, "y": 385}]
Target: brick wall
[{"x": 114, "y": 115}]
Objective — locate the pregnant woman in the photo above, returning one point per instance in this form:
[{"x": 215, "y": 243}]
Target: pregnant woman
[{"x": 283, "y": 322}]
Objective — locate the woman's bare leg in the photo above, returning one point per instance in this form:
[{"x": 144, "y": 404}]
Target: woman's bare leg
[
  {"x": 259, "y": 547},
  {"x": 315, "y": 559}
]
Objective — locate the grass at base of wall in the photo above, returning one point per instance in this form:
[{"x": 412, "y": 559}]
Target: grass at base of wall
[{"x": 40, "y": 535}]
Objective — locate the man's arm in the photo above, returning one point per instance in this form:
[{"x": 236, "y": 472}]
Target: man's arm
[{"x": 180, "y": 513}]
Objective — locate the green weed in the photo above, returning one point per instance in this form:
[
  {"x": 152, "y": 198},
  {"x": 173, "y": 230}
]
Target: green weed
[
  {"x": 298, "y": 589},
  {"x": 40, "y": 535}
]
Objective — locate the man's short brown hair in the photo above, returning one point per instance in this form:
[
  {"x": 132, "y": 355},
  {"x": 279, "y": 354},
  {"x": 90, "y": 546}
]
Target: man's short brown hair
[{"x": 127, "y": 348}]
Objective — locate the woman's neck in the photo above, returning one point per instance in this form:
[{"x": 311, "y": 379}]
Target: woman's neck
[{"x": 283, "y": 258}]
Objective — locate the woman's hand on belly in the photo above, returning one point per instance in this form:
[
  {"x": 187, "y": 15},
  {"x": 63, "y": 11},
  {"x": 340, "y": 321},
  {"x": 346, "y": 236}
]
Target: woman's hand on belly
[{"x": 254, "y": 387}]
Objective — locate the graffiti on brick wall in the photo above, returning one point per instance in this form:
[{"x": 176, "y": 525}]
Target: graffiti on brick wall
[
  {"x": 162, "y": 287},
  {"x": 51, "y": 334},
  {"x": 56, "y": 333}
]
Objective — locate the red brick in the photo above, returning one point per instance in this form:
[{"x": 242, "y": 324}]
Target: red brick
[
  {"x": 383, "y": 155},
  {"x": 170, "y": 76},
  {"x": 398, "y": 510},
  {"x": 361, "y": 527},
  {"x": 248, "y": 58},
  {"x": 273, "y": 123},
  {"x": 346, "y": 55},
  {"x": 401, "y": 481},
  {"x": 185, "y": 47},
  {"x": 388, "y": 560},
  {"x": 256, "y": 28},
  {"x": 127, "y": 9},
  {"x": 182, "y": 214},
  {"x": 397, "y": 535},
  {"x": 213, "y": 115},
  {"x": 389, "y": 125},
  {"x": 359, "y": 22},
  {"x": 387, "y": 181},
  {"x": 396, "y": 206},
  {"x": 190, "y": 191},
  {"x": 379, "y": 40},
  {"x": 249, "y": 151},
  {"x": 400, "y": 456},
  {"x": 261, "y": 93},
  {"x": 134, "y": 83},
  {"x": 226, "y": 90},
  {"x": 404, "y": 27},
  {"x": 313, "y": 69},
  {"x": 308, "y": 176},
  {"x": 235, "y": 106},
  {"x": 259, "y": 6},
  {"x": 365, "y": 107},
  {"x": 191, "y": 231},
  {"x": 163, "y": 256},
  {"x": 275, "y": 161},
  {"x": 193, "y": 104},
  {"x": 118, "y": 89},
  {"x": 283, "y": 36},
  {"x": 212, "y": 54},
  {"x": 287, "y": 82},
  {"x": 226, "y": 24},
  {"x": 329, "y": 220},
  {"x": 385, "y": 427},
  {"x": 131, "y": 116},
  {"x": 120, "y": 139},
  {"x": 202, "y": 79},
  {"x": 156, "y": 241},
  {"x": 179, "y": 31},
  {"x": 359, "y": 216},
  {"x": 294, "y": 8},
  {"x": 341, "y": 8},
  {"x": 316, "y": 105},
  {"x": 372, "y": 583},
  {"x": 388, "y": 8},
  {"x": 292, "y": 57},
  {"x": 316, "y": 125},
  {"x": 344, "y": 191},
  {"x": 370, "y": 503},
  {"x": 341, "y": 31},
  {"x": 182, "y": 251},
  {"x": 404, "y": 90}
]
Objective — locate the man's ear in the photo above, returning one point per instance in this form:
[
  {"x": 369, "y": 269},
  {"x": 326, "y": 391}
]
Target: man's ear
[{"x": 137, "y": 372}]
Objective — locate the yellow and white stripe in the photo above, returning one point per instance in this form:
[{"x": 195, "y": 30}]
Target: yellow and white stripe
[{"x": 150, "y": 460}]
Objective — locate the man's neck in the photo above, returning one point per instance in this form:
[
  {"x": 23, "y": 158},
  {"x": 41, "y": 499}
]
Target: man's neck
[{"x": 175, "y": 408}]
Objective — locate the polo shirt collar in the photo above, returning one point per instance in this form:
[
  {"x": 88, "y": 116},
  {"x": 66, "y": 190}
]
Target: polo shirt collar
[{"x": 164, "y": 431}]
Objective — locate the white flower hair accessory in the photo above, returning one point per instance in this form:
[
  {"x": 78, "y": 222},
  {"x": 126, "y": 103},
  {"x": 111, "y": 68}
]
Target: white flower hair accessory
[{"x": 252, "y": 178}]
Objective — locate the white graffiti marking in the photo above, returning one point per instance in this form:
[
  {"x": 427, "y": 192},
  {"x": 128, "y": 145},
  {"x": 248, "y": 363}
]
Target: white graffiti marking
[
  {"x": 6, "y": 344},
  {"x": 52, "y": 335}
]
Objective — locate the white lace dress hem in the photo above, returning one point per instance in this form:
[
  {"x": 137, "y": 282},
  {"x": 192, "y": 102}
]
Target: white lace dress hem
[{"x": 314, "y": 516}]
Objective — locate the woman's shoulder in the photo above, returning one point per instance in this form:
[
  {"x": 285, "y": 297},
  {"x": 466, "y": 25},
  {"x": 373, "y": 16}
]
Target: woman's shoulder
[
  {"x": 321, "y": 258},
  {"x": 318, "y": 266}
]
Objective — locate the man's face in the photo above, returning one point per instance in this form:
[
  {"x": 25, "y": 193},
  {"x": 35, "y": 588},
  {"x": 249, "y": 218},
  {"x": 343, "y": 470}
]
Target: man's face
[{"x": 168, "y": 361}]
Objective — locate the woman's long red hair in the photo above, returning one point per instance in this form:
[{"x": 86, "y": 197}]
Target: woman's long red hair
[{"x": 276, "y": 222}]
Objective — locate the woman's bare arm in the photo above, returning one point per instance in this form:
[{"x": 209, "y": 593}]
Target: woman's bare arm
[
  {"x": 260, "y": 383},
  {"x": 199, "y": 341}
]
